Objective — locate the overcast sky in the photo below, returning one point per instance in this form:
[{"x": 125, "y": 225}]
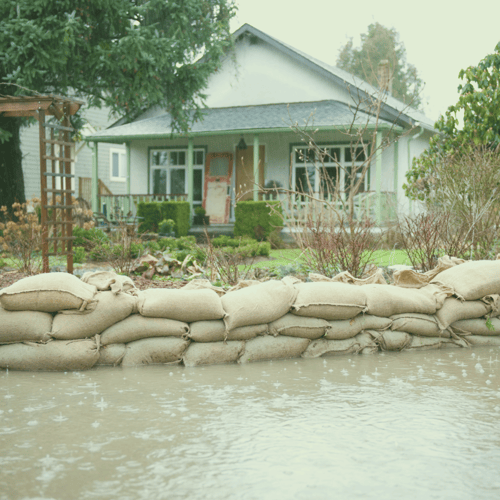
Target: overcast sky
[{"x": 441, "y": 37}]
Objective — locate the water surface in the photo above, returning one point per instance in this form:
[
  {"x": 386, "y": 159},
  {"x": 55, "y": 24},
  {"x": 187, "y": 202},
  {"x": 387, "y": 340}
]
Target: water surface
[{"x": 395, "y": 425}]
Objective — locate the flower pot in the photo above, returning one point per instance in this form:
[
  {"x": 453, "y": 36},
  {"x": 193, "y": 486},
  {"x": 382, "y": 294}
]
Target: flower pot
[{"x": 201, "y": 220}]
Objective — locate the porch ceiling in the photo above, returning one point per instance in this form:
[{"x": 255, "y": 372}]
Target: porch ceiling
[{"x": 328, "y": 115}]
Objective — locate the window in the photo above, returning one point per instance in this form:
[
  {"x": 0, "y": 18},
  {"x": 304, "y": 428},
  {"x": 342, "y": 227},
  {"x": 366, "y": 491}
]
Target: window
[
  {"x": 330, "y": 170},
  {"x": 118, "y": 165},
  {"x": 169, "y": 172}
]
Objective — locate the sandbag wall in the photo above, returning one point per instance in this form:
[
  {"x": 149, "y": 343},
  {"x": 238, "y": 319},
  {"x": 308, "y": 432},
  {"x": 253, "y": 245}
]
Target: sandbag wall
[{"x": 57, "y": 322}]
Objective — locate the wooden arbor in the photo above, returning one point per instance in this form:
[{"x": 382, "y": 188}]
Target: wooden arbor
[{"x": 55, "y": 168}]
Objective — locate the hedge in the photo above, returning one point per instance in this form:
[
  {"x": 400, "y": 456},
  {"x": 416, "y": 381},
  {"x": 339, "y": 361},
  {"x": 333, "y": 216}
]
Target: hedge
[
  {"x": 152, "y": 213},
  {"x": 257, "y": 219}
]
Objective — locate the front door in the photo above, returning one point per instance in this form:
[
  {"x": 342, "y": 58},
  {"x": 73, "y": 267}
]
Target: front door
[
  {"x": 245, "y": 181},
  {"x": 217, "y": 199}
]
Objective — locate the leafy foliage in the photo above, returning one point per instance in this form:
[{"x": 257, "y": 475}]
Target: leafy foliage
[
  {"x": 479, "y": 104},
  {"x": 257, "y": 219},
  {"x": 378, "y": 44}
]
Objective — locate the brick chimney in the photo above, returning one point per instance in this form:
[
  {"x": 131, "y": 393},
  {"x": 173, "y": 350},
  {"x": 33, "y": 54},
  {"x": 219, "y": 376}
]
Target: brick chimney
[{"x": 384, "y": 76}]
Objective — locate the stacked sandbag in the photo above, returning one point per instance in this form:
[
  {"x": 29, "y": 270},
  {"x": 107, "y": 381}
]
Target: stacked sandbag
[{"x": 22, "y": 326}]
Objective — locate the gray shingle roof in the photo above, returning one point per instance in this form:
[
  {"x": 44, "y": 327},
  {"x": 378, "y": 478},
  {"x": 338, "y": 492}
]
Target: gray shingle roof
[{"x": 270, "y": 117}]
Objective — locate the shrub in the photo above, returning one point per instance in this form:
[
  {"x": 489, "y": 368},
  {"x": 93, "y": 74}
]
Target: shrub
[
  {"x": 79, "y": 255},
  {"x": 166, "y": 226},
  {"x": 257, "y": 219},
  {"x": 150, "y": 216},
  {"x": 179, "y": 212},
  {"x": 200, "y": 211},
  {"x": 88, "y": 238}
]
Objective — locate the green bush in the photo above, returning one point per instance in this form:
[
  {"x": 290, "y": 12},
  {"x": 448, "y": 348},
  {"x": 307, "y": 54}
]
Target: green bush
[
  {"x": 150, "y": 216},
  {"x": 166, "y": 226},
  {"x": 88, "y": 238},
  {"x": 178, "y": 211},
  {"x": 79, "y": 254},
  {"x": 136, "y": 249},
  {"x": 257, "y": 219},
  {"x": 100, "y": 252}
]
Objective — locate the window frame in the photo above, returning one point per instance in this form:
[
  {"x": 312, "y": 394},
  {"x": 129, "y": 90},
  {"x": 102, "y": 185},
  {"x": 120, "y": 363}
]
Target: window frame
[{"x": 122, "y": 164}]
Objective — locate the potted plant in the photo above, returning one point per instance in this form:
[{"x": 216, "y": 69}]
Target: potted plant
[
  {"x": 166, "y": 228},
  {"x": 200, "y": 218}
]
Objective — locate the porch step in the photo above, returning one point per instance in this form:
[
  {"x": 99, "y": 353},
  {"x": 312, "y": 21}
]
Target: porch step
[{"x": 213, "y": 230}]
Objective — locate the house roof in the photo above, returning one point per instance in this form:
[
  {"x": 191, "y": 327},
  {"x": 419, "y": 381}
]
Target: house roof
[
  {"x": 394, "y": 107},
  {"x": 322, "y": 115}
]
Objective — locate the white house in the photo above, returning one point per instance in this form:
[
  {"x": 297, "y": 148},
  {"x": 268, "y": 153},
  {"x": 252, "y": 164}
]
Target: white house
[{"x": 252, "y": 101}]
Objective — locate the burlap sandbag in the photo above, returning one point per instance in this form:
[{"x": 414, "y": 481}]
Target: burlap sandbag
[
  {"x": 424, "y": 325},
  {"x": 348, "y": 328},
  {"x": 19, "y": 326},
  {"x": 269, "y": 347},
  {"x": 330, "y": 301},
  {"x": 57, "y": 355},
  {"x": 426, "y": 343},
  {"x": 391, "y": 340},
  {"x": 213, "y": 353},
  {"x": 479, "y": 340},
  {"x": 292, "y": 325},
  {"x": 110, "y": 309},
  {"x": 109, "y": 280},
  {"x": 137, "y": 327},
  {"x": 324, "y": 347},
  {"x": 182, "y": 305},
  {"x": 154, "y": 351},
  {"x": 408, "y": 278},
  {"x": 477, "y": 327},
  {"x": 377, "y": 276},
  {"x": 49, "y": 292},
  {"x": 215, "y": 331},
  {"x": 454, "y": 310},
  {"x": 111, "y": 355},
  {"x": 387, "y": 300},
  {"x": 204, "y": 284},
  {"x": 258, "y": 304},
  {"x": 472, "y": 280}
]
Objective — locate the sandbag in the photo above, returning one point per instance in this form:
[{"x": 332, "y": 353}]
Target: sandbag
[
  {"x": 387, "y": 300},
  {"x": 269, "y": 347},
  {"x": 215, "y": 331},
  {"x": 330, "y": 301},
  {"x": 472, "y": 280},
  {"x": 154, "y": 351},
  {"x": 424, "y": 325},
  {"x": 20, "y": 326},
  {"x": 203, "y": 284},
  {"x": 110, "y": 309},
  {"x": 182, "y": 305},
  {"x": 478, "y": 340},
  {"x": 348, "y": 328},
  {"x": 324, "y": 347},
  {"x": 292, "y": 325},
  {"x": 258, "y": 304},
  {"x": 213, "y": 353},
  {"x": 391, "y": 340},
  {"x": 49, "y": 292},
  {"x": 425, "y": 343},
  {"x": 377, "y": 276},
  {"x": 109, "y": 280},
  {"x": 57, "y": 355},
  {"x": 455, "y": 310},
  {"x": 137, "y": 327},
  {"x": 408, "y": 278},
  {"x": 477, "y": 327},
  {"x": 111, "y": 355}
]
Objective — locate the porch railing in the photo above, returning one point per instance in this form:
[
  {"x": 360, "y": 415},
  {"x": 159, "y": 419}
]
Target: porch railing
[
  {"x": 298, "y": 209},
  {"x": 120, "y": 205}
]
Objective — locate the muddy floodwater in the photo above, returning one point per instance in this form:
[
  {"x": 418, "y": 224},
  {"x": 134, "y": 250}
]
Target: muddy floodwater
[{"x": 417, "y": 425}]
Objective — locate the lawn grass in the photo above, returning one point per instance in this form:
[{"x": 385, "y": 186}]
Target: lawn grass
[{"x": 381, "y": 258}]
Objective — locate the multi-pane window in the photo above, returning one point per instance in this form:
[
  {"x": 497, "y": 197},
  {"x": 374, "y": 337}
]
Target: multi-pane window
[
  {"x": 328, "y": 171},
  {"x": 169, "y": 172},
  {"x": 118, "y": 167}
]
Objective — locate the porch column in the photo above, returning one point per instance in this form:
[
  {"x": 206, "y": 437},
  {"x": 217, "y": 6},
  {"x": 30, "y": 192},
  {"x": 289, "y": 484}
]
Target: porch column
[
  {"x": 378, "y": 179},
  {"x": 256, "y": 168},
  {"x": 95, "y": 179},
  {"x": 127, "y": 149},
  {"x": 190, "y": 183},
  {"x": 396, "y": 172}
]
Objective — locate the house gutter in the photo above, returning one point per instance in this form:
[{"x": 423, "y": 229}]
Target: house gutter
[
  {"x": 143, "y": 137},
  {"x": 411, "y": 138}
]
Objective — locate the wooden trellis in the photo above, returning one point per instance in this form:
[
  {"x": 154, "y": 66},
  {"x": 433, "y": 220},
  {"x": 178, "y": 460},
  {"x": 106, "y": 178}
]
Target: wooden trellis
[{"x": 55, "y": 168}]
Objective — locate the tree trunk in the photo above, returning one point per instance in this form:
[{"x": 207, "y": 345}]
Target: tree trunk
[{"x": 11, "y": 165}]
